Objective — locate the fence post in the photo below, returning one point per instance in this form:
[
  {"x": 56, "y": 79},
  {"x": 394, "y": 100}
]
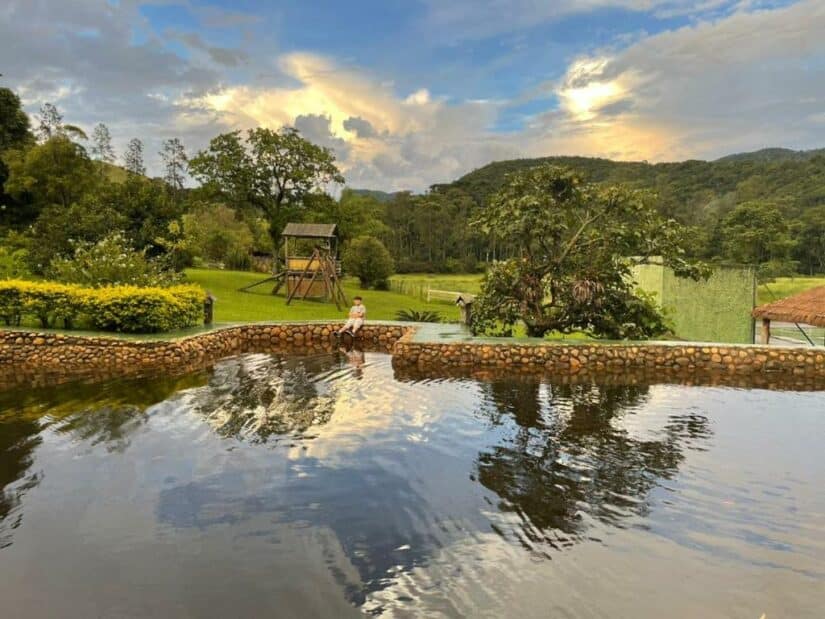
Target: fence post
[{"x": 208, "y": 308}]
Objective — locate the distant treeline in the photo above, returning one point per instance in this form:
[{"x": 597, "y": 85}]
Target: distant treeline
[
  {"x": 60, "y": 188},
  {"x": 765, "y": 208}
]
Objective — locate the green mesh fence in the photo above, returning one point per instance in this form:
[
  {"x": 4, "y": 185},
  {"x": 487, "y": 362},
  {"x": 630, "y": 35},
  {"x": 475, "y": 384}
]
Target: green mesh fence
[{"x": 715, "y": 310}]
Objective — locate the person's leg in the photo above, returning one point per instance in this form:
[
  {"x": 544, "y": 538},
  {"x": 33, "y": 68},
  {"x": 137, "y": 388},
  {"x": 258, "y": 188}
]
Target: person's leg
[
  {"x": 357, "y": 324},
  {"x": 347, "y": 326}
]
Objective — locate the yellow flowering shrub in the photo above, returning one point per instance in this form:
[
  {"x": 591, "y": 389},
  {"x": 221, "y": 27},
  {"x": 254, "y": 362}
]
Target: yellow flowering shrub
[{"x": 129, "y": 309}]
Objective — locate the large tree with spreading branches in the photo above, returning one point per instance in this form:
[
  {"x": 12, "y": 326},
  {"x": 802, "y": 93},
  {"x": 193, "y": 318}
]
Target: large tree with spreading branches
[
  {"x": 273, "y": 171},
  {"x": 576, "y": 245}
]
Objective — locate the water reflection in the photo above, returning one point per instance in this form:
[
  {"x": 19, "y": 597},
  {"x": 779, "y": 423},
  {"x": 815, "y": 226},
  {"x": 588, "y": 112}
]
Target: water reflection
[
  {"x": 419, "y": 497},
  {"x": 564, "y": 460},
  {"x": 259, "y": 396},
  {"x": 18, "y": 440},
  {"x": 94, "y": 415}
]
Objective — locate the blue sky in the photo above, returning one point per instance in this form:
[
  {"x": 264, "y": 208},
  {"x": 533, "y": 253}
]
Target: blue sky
[{"x": 413, "y": 92}]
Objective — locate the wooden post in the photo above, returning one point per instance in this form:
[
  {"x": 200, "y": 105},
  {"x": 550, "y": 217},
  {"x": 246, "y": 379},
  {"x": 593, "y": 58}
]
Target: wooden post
[{"x": 766, "y": 331}]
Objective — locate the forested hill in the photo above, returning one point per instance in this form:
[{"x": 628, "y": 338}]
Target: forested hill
[{"x": 692, "y": 191}]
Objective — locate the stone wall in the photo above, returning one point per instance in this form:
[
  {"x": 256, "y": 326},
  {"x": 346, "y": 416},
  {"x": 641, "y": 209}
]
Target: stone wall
[
  {"x": 634, "y": 362},
  {"x": 46, "y": 358}
]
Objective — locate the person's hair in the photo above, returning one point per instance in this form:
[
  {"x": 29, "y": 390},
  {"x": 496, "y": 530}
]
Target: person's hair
[{"x": 357, "y": 299}]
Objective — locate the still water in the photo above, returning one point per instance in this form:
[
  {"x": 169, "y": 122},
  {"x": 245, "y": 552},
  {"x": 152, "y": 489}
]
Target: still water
[{"x": 325, "y": 487}]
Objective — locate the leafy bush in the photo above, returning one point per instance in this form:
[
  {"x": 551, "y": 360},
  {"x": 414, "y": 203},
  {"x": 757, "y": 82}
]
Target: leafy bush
[
  {"x": 411, "y": 315},
  {"x": 371, "y": 262},
  {"x": 128, "y": 309},
  {"x": 111, "y": 262},
  {"x": 214, "y": 232},
  {"x": 13, "y": 262},
  {"x": 146, "y": 310}
]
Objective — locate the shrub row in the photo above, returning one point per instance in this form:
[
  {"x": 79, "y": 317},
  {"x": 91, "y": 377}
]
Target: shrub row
[{"x": 129, "y": 309}]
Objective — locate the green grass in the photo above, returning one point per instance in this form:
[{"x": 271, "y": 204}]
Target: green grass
[
  {"x": 259, "y": 304},
  {"x": 786, "y": 286}
]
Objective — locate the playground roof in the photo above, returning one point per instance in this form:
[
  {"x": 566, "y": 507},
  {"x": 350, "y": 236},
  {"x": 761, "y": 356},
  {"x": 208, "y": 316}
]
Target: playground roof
[
  {"x": 317, "y": 231},
  {"x": 807, "y": 307}
]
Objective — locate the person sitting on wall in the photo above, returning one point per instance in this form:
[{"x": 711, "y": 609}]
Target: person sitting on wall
[{"x": 357, "y": 315}]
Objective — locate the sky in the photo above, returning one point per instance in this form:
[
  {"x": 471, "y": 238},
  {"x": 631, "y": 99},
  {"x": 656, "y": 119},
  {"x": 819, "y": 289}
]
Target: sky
[{"x": 414, "y": 92}]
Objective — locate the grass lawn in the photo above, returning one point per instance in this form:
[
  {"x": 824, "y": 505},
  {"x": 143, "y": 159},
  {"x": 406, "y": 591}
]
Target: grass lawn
[
  {"x": 417, "y": 284},
  {"x": 786, "y": 286},
  {"x": 259, "y": 304}
]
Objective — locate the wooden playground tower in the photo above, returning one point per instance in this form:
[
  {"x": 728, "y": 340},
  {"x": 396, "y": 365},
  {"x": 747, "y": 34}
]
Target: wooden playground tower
[{"x": 317, "y": 276}]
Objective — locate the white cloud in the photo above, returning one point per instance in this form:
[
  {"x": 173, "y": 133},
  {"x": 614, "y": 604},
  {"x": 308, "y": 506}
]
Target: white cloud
[
  {"x": 749, "y": 80},
  {"x": 743, "y": 80}
]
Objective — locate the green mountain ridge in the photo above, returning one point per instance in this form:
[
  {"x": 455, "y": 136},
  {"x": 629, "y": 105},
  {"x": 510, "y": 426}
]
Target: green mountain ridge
[{"x": 688, "y": 190}]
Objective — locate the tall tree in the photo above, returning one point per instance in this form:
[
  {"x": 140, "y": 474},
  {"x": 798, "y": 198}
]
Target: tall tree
[
  {"x": 756, "y": 233},
  {"x": 51, "y": 125},
  {"x": 102, "y": 144},
  {"x": 50, "y": 121},
  {"x": 174, "y": 163},
  {"x": 269, "y": 170},
  {"x": 576, "y": 245},
  {"x": 14, "y": 122},
  {"x": 15, "y": 134},
  {"x": 57, "y": 171},
  {"x": 133, "y": 157}
]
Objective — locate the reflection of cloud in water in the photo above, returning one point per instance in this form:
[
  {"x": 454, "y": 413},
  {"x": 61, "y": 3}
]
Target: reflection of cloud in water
[
  {"x": 554, "y": 462},
  {"x": 256, "y": 397},
  {"x": 381, "y": 524}
]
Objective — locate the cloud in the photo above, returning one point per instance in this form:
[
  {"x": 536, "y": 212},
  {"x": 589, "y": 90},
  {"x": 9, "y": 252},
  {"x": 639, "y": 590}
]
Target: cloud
[
  {"x": 360, "y": 127},
  {"x": 225, "y": 56},
  {"x": 743, "y": 79},
  {"x": 746, "y": 81},
  {"x": 100, "y": 62},
  {"x": 381, "y": 139}
]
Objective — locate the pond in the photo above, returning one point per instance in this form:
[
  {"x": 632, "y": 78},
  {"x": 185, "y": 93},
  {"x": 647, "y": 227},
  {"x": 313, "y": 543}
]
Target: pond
[{"x": 326, "y": 486}]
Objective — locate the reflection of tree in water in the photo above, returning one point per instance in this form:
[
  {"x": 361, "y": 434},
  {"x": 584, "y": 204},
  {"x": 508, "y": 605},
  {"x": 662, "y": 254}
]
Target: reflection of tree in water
[
  {"x": 105, "y": 414},
  {"x": 108, "y": 425},
  {"x": 258, "y": 396},
  {"x": 566, "y": 457},
  {"x": 18, "y": 440}
]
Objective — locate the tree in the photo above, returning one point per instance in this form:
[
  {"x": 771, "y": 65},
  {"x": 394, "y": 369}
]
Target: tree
[
  {"x": 270, "y": 170},
  {"x": 756, "y": 233},
  {"x": 15, "y": 130},
  {"x": 133, "y": 157},
  {"x": 51, "y": 125},
  {"x": 174, "y": 163},
  {"x": 355, "y": 214},
  {"x": 214, "y": 232},
  {"x": 58, "y": 171},
  {"x": 576, "y": 244},
  {"x": 15, "y": 134},
  {"x": 368, "y": 259},
  {"x": 59, "y": 229},
  {"x": 102, "y": 144},
  {"x": 810, "y": 241}
]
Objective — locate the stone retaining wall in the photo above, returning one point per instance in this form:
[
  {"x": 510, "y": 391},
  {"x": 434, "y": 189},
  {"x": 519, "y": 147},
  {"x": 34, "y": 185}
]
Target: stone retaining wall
[
  {"x": 688, "y": 363},
  {"x": 46, "y": 358},
  {"x": 34, "y": 358}
]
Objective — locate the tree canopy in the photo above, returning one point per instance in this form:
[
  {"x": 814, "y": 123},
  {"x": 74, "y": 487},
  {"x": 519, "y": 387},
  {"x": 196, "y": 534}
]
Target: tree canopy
[
  {"x": 270, "y": 170},
  {"x": 576, "y": 243}
]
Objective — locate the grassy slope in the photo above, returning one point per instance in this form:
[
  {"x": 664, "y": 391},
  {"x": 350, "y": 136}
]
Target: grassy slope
[
  {"x": 234, "y": 306},
  {"x": 785, "y": 287},
  {"x": 458, "y": 283}
]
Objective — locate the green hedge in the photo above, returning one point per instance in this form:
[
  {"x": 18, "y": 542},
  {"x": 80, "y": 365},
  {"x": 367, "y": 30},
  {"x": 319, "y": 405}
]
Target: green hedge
[{"x": 129, "y": 309}]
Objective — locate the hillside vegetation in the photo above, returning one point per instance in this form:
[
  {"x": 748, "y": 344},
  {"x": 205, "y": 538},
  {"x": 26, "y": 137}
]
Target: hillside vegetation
[{"x": 687, "y": 190}]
